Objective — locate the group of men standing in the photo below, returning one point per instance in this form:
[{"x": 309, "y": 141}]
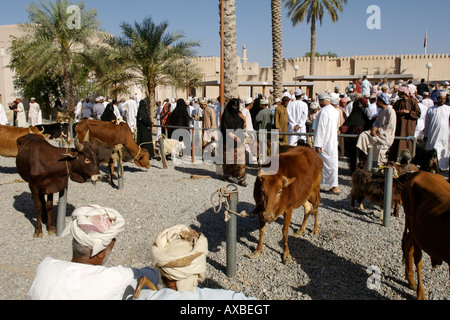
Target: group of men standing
[
  {"x": 109, "y": 110},
  {"x": 19, "y": 113}
]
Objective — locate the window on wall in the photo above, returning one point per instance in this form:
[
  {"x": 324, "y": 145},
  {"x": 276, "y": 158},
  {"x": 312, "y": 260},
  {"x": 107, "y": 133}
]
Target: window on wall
[
  {"x": 2, "y": 51},
  {"x": 376, "y": 70},
  {"x": 365, "y": 71}
]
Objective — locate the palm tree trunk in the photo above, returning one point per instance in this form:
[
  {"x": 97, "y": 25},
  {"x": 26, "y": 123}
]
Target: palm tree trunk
[
  {"x": 69, "y": 90},
  {"x": 230, "y": 54},
  {"x": 277, "y": 42},
  {"x": 313, "y": 46}
]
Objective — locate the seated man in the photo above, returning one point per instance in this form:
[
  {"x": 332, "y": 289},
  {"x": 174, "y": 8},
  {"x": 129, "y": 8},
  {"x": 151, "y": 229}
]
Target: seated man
[
  {"x": 382, "y": 135},
  {"x": 94, "y": 230},
  {"x": 180, "y": 253}
]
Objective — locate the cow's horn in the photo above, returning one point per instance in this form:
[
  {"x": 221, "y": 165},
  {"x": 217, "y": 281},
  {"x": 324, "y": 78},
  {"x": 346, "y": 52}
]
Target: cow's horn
[
  {"x": 78, "y": 145},
  {"x": 86, "y": 137}
]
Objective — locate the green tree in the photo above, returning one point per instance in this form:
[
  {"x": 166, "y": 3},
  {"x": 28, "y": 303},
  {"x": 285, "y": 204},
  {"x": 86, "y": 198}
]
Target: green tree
[
  {"x": 153, "y": 55},
  {"x": 108, "y": 68},
  {"x": 314, "y": 11},
  {"x": 51, "y": 46}
]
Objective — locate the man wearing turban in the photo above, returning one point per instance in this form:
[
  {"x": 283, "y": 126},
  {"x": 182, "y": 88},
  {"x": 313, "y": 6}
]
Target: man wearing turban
[
  {"x": 408, "y": 112},
  {"x": 180, "y": 254},
  {"x": 94, "y": 230},
  {"x": 381, "y": 136}
]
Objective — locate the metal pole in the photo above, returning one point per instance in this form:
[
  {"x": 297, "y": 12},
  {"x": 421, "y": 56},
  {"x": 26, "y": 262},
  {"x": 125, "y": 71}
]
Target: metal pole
[
  {"x": 369, "y": 163},
  {"x": 389, "y": 177},
  {"x": 62, "y": 209},
  {"x": 231, "y": 236}
]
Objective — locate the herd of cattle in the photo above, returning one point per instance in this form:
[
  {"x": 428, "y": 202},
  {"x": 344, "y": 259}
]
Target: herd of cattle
[{"x": 423, "y": 195}]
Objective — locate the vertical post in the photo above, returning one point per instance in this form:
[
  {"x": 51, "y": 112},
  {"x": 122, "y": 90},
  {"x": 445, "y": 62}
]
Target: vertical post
[
  {"x": 62, "y": 209},
  {"x": 231, "y": 236},
  {"x": 70, "y": 129},
  {"x": 369, "y": 163},
  {"x": 389, "y": 177},
  {"x": 162, "y": 152}
]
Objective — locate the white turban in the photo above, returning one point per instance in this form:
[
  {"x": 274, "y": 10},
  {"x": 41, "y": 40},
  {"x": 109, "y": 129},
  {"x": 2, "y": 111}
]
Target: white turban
[
  {"x": 95, "y": 227},
  {"x": 324, "y": 96},
  {"x": 180, "y": 253}
]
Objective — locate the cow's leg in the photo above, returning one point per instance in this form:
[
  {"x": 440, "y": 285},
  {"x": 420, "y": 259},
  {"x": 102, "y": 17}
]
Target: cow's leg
[
  {"x": 308, "y": 207},
  {"x": 111, "y": 172},
  {"x": 262, "y": 231},
  {"x": 287, "y": 222},
  {"x": 50, "y": 223},
  {"x": 418, "y": 262},
  {"x": 352, "y": 203},
  {"x": 38, "y": 207},
  {"x": 408, "y": 252}
]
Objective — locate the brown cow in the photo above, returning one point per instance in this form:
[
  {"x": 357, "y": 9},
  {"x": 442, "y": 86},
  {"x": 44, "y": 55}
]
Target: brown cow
[
  {"x": 47, "y": 170},
  {"x": 113, "y": 135},
  {"x": 426, "y": 200},
  {"x": 296, "y": 184},
  {"x": 9, "y": 136}
]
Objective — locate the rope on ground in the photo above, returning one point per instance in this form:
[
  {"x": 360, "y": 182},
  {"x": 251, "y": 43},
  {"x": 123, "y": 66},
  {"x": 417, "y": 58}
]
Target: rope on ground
[
  {"x": 12, "y": 182},
  {"x": 225, "y": 193}
]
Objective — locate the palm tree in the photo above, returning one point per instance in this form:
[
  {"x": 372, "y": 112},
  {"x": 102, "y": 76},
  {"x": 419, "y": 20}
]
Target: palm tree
[
  {"x": 50, "y": 47},
  {"x": 230, "y": 54},
  {"x": 277, "y": 40},
  {"x": 108, "y": 67},
  {"x": 313, "y": 10},
  {"x": 154, "y": 55}
]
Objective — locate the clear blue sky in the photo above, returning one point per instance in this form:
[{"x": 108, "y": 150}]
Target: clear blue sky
[{"x": 403, "y": 25}]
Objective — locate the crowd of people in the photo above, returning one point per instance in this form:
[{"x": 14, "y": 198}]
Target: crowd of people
[{"x": 377, "y": 112}]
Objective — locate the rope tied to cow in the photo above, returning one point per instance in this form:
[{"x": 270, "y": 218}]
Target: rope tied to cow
[{"x": 225, "y": 193}]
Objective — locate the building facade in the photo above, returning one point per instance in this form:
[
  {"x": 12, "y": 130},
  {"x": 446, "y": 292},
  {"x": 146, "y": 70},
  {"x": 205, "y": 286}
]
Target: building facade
[{"x": 253, "y": 80}]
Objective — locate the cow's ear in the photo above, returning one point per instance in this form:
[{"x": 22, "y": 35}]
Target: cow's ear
[
  {"x": 260, "y": 176},
  {"x": 287, "y": 182},
  {"x": 70, "y": 155}
]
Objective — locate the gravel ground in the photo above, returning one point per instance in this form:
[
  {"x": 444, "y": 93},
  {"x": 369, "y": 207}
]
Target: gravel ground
[{"x": 331, "y": 266}]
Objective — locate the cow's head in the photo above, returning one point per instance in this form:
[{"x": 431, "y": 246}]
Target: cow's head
[
  {"x": 272, "y": 188},
  {"x": 84, "y": 164},
  {"x": 142, "y": 159}
]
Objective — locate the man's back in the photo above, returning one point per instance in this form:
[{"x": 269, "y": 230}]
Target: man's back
[{"x": 62, "y": 280}]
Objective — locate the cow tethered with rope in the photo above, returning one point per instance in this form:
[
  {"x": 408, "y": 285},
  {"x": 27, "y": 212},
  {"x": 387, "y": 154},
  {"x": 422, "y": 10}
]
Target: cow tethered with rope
[
  {"x": 296, "y": 184},
  {"x": 47, "y": 170}
]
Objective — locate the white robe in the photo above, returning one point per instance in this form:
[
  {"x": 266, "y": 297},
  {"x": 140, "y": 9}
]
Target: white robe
[
  {"x": 438, "y": 134},
  {"x": 428, "y": 103},
  {"x": 386, "y": 124},
  {"x": 3, "y": 118},
  {"x": 326, "y": 137},
  {"x": 78, "y": 110},
  {"x": 64, "y": 280},
  {"x": 421, "y": 121},
  {"x": 33, "y": 113},
  {"x": 131, "y": 108},
  {"x": 297, "y": 112},
  {"x": 21, "y": 117}
]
